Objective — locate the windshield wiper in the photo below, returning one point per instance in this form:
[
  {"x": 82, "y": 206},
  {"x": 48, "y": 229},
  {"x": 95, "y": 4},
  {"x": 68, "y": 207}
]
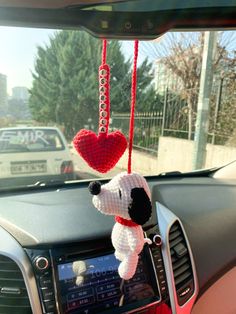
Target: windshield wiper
[
  {"x": 47, "y": 183},
  {"x": 195, "y": 173},
  {"x": 170, "y": 174}
]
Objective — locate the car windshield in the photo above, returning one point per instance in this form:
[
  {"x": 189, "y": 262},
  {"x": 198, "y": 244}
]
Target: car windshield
[{"x": 185, "y": 117}]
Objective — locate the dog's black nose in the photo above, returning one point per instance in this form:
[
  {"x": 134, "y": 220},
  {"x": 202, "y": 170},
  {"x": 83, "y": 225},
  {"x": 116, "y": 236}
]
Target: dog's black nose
[{"x": 95, "y": 187}]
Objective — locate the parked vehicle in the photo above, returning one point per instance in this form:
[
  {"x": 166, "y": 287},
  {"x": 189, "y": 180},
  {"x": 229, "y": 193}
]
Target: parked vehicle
[{"x": 34, "y": 153}]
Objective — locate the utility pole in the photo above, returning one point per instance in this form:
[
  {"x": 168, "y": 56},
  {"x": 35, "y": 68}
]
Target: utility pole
[
  {"x": 201, "y": 130},
  {"x": 217, "y": 108},
  {"x": 164, "y": 112}
]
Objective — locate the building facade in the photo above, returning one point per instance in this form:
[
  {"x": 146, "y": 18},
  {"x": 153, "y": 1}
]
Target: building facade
[
  {"x": 20, "y": 93},
  {"x": 3, "y": 92}
]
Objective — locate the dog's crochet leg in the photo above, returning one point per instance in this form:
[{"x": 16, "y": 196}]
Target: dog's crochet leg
[
  {"x": 128, "y": 266},
  {"x": 119, "y": 255},
  {"x": 79, "y": 268}
]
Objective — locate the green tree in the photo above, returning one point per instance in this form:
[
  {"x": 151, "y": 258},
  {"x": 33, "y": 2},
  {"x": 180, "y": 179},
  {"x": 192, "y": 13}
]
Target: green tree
[
  {"x": 78, "y": 67},
  {"x": 46, "y": 81},
  {"x": 65, "y": 85}
]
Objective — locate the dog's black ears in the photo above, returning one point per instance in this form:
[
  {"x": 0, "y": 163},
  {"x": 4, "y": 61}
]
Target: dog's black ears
[{"x": 140, "y": 209}]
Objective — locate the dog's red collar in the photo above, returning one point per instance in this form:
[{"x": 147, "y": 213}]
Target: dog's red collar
[{"x": 125, "y": 222}]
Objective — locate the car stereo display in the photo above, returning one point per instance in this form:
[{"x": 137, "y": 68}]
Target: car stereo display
[{"x": 93, "y": 285}]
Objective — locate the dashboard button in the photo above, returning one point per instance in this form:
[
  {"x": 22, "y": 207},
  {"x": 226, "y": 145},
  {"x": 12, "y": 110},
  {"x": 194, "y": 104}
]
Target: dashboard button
[
  {"x": 41, "y": 263},
  {"x": 48, "y": 294},
  {"x": 157, "y": 254},
  {"x": 161, "y": 276},
  {"x": 157, "y": 240},
  {"x": 45, "y": 281},
  {"x": 50, "y": 306}
]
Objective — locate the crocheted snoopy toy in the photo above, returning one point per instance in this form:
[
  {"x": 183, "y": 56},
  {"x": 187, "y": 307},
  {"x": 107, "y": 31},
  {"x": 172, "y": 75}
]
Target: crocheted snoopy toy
[{"x": 126, "y": 196}]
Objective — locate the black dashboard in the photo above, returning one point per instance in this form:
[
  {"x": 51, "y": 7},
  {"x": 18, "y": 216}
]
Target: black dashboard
[{"x": 46, "y": 232}]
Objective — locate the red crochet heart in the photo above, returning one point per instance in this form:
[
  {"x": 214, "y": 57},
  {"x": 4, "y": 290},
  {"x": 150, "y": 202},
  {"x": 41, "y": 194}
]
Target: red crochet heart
[{"x": 101, "y": 152}]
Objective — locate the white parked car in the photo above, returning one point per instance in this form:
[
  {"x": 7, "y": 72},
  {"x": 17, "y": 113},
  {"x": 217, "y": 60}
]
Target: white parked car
[{"x": 35, "y": 153}]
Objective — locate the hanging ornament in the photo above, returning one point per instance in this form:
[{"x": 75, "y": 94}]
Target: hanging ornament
[
  {"x": 127, "y": 197},
  {"x": 101, "y": 151}
]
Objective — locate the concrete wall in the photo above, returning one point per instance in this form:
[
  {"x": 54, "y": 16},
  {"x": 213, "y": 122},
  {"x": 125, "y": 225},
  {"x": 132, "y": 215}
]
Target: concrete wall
[
  {"x": 143, "y": 163},
  {"x": 218, "y": 155},
  {"x": 176, "y": 154}
]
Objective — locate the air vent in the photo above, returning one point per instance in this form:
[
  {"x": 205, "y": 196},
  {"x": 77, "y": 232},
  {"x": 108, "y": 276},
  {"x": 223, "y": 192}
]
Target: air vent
[
  {"x": 181, "y": 264},
  {"x": 13, "y": 294}
]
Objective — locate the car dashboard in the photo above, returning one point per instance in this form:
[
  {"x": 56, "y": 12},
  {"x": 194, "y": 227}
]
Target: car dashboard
[{"x": 46, "y": 232}]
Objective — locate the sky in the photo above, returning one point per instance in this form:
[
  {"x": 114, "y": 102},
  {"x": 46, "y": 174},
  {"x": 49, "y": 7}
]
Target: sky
[
  {"x": 19, "y": 49},
  {"x": 18, "y": 52}
]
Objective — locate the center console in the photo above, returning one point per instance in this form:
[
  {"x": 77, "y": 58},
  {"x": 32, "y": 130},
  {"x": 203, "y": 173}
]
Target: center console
[{"x": 99, "y": 289}]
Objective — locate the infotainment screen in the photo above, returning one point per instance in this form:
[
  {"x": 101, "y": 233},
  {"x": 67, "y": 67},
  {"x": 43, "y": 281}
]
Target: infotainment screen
[{"x": 100, "y": 288}]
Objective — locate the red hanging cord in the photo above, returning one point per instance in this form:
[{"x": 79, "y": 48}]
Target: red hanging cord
[
  {"x": 104, "y": 51},
  {"x": 104, "y": 93},
  {"x": 133, "y": 100}
]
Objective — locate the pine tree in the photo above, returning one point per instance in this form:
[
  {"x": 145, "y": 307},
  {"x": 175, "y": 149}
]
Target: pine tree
[{"x": 65, "y": 85}]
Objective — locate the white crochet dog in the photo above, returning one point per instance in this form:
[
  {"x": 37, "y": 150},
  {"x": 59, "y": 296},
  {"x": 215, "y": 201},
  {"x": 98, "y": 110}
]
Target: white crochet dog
[{"x": 127, "y": 196}]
